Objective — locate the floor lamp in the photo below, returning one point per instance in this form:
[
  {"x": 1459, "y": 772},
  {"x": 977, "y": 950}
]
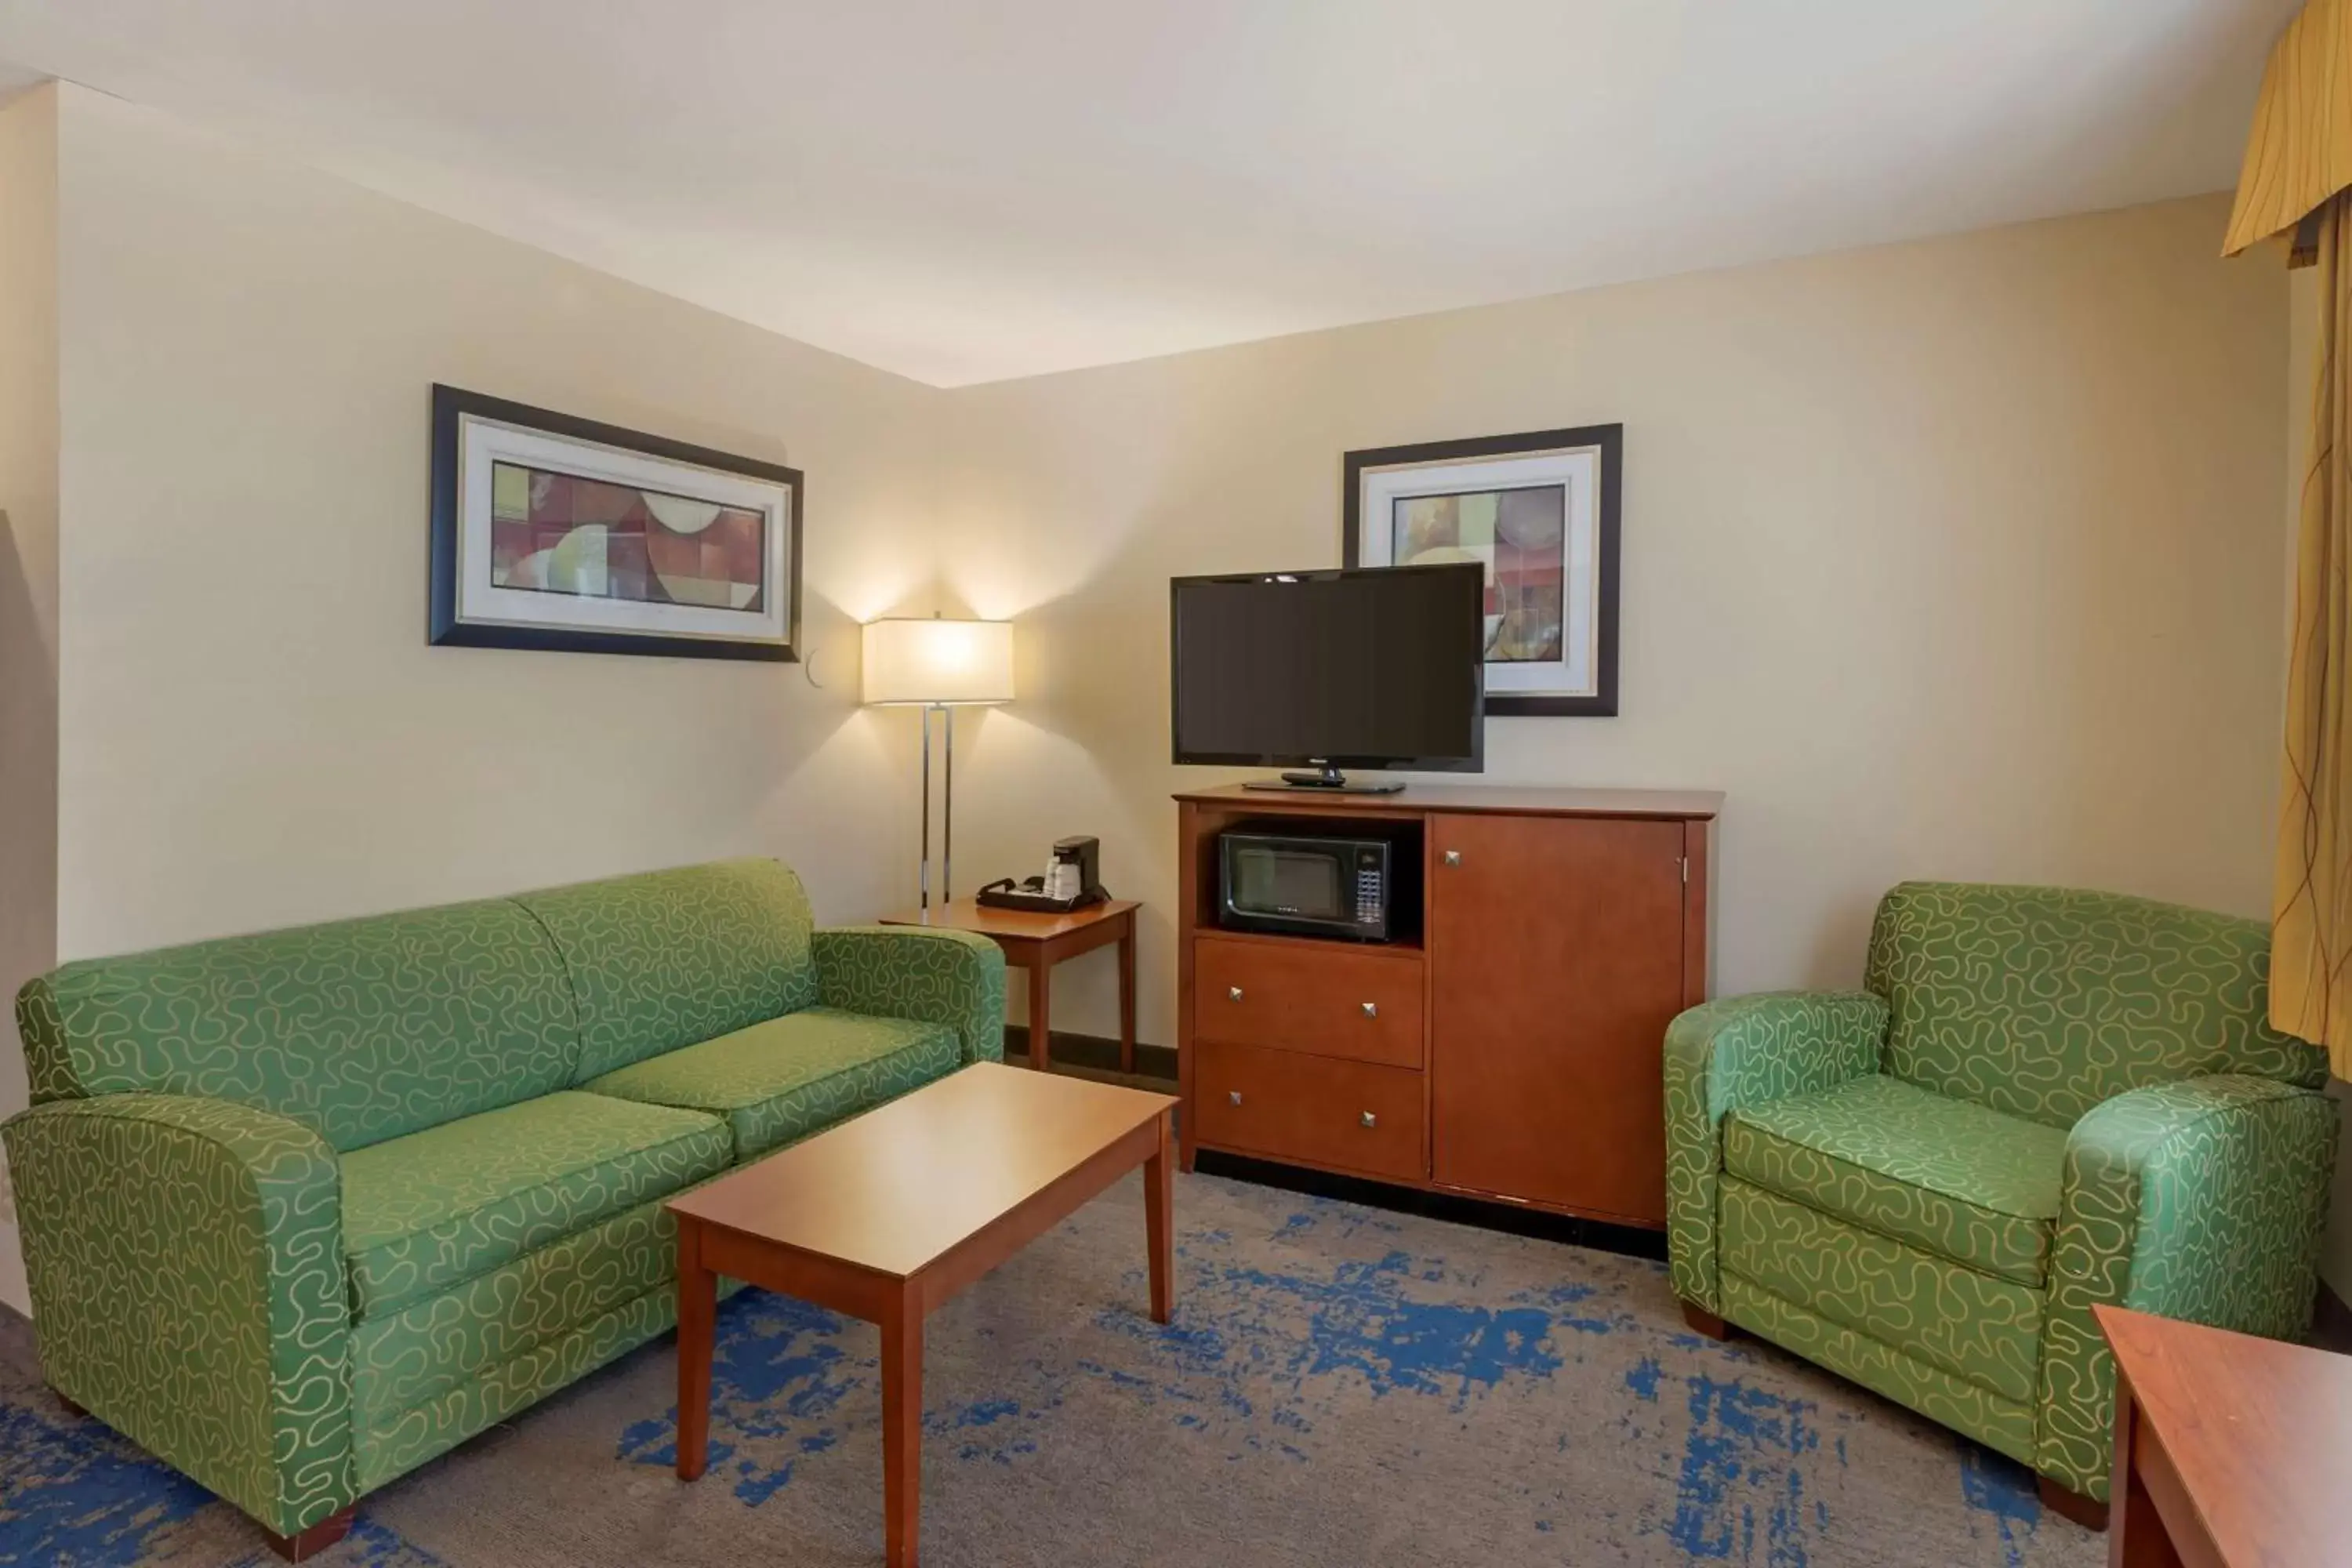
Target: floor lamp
[{"x": 938, "y": 666}]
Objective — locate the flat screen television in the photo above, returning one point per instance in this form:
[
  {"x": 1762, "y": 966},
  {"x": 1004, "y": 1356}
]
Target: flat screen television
[{"x": 1382, "y": 667}]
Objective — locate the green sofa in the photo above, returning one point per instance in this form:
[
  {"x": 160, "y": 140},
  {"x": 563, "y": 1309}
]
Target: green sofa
[
  {"x": 301, "y": 1211},
  {"x": 2044, "y": 1099}
]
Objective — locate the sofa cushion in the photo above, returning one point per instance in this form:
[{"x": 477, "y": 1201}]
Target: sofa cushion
[
  {"x": 1961, "y": 1182},
  {"x": 671, "y": 958},
  {"x": 425, "y": 1212},
  {"x": 360, "y": 1029},
  {"x": 789, "y": 1077}
]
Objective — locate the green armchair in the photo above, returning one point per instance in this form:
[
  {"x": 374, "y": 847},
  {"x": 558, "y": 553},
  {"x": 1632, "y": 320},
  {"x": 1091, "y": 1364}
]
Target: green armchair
[{"x": 2044, "y": 1100}]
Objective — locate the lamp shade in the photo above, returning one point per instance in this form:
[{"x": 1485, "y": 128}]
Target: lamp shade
[{"x": 938, "y": 661}]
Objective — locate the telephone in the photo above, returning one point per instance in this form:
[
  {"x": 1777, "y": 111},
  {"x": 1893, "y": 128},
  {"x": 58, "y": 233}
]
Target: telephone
[{"x": 1070, "y": 881}]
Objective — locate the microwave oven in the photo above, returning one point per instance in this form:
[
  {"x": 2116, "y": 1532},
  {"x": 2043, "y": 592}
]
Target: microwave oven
[{"x": 1363, "y": 889}]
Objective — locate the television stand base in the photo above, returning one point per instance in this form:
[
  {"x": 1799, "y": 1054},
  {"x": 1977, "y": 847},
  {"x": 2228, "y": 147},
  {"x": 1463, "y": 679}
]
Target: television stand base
[{"x": 1326, "y": 781}]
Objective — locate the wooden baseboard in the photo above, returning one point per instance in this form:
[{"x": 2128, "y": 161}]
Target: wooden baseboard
[
  {"x": 1099, "y": 1053},
  {"x": 2331, "y": 1321}
]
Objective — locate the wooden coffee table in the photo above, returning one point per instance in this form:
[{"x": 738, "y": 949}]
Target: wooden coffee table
[{"x": 888, "y": 1215}]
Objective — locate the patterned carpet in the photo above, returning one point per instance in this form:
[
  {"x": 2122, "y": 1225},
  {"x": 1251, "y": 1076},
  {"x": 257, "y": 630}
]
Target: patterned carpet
[{"x": 1341, "y": 1386}]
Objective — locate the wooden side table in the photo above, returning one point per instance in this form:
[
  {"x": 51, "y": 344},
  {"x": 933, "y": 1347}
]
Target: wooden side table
[
  {"x": 1038, "y": 941},
  {"x": 2231, "y": 1451}
]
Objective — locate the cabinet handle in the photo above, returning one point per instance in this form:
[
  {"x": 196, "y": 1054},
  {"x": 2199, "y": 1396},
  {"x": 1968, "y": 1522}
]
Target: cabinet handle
[
  {"x": 1234, "y": 1095},
  {"x": 1370, "y": 1120},
  {"x": 1232, "y": 993},
  {"x": 1371, "y": 1009},
  {"x": 1454, "y": 857}
]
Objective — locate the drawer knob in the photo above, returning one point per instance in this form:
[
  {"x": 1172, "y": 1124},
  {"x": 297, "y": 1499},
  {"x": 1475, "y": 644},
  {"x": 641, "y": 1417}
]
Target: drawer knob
[
  {"x": 1371, "y": 1009},
  {"x": 1234, "y": 1095},
  {"x": 1370, "y": 1120},
  {"x": 1454, "y": 857},
  {"x": 1232, "y": 993}
]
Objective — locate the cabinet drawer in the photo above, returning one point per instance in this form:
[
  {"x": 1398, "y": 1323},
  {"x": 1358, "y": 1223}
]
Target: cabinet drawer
[
  {"x": 1302, "y": 996},
  {"x": 1287, "y": 1105}
]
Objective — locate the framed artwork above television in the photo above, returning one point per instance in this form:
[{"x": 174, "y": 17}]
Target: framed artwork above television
[
  {"x": 1539, "y": 510},
  {"x": 563, "y": 534}
]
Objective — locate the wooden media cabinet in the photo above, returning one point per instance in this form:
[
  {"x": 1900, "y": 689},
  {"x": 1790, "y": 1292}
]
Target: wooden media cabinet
[{"x": 1510, "y": 1050}]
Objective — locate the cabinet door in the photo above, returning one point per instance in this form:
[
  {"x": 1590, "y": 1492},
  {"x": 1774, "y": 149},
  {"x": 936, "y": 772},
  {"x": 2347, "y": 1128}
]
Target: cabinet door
[{"x": 1555, "y": 962}]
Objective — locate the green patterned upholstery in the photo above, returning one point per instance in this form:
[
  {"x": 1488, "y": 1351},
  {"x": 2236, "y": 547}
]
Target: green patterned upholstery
[
  {"x": 1747, "y": 1050},
  {"x": 671, "y": 958},
  {"x": 425, "y": 1212},
  {"x": 2045, "y": 1099},
  {"x": 952, "y": 977},
  {"x": 301, "y": 1211},
  {"x": 362, "y": 1029},
  {"x": 2203, "y": 1200},
  {"x": 1962, "y": 1181},
  {"x": 783, "y": 1079},
  {"x": 187, "y": 1267},
  {"x": 2042, "y": 1002}
]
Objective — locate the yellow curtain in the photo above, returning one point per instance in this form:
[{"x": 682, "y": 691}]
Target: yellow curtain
[
  {"x": 2311, "y": 926},
  {"x": 2299, "y": 153},
  {"x": 2298, "y": 168}
]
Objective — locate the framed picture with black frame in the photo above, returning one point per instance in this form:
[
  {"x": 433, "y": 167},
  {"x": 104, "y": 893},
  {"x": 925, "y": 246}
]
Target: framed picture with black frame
[
  {"x": 565, "y": 535},
  {"x": 1539, "y": 510}
]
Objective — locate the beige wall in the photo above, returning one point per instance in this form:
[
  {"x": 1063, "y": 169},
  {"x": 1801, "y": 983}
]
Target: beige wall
[
  {"x": 248, "y": 729},
  {"x": 1953, "y": 559},
  {"x": 254, "y": 732},
  {"x": 28, "y": 584}
]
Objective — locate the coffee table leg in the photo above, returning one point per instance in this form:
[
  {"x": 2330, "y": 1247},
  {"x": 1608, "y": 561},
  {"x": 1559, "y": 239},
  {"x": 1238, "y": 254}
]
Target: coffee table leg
[
  {"x": 698, "y": 1310},
  {"x": 1158, "y": 1231},
  {"x": 902, "y": 1429}
]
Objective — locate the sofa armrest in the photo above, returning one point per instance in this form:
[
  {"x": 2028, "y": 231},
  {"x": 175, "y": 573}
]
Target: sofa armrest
[
  {"x": 2201, "y": 1199},
  {"x": 1744, "y": 1050},
  {"x": 186, "y": 1265},
  {"x": 952, "y": 977}
]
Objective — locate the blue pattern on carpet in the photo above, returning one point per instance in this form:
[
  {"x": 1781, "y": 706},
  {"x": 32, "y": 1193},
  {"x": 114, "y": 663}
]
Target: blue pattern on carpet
[{"x": 1342, "y": 1315}]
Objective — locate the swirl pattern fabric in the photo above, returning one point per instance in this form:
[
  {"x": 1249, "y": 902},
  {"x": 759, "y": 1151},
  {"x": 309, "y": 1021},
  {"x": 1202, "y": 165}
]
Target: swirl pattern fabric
[
  {"x": 670, "y": 958},
  {"x": 216, "y": 1227},
  {"x": 1969, "y": 1324},
  {"x": 2042, "y": 1002},
  {"x": 2203, "y": 1200},
  {"x": 2003, "y": 1424},
  {"x": 1746, "y": 1050},
  {"x": 360, "y": 1029},
  {"x": 2079, "y": 1100},
  {"x": 950, "y": 977},
  {"x": 1962, "y": 1181},
  {"x": 303, "y": 1210},
  {"x": 781, "y": 1080},
  {"x": 425, "y": 1212}
]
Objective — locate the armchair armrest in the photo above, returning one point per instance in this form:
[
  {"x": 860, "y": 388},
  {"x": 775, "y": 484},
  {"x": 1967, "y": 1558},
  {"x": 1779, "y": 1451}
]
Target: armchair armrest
[
  {"x": 950, "y": 977},
  {"x": 185, "y": 1258},
  {"x": 2201, "y": 1199},
  {"x": 1743, "y": 1050}
]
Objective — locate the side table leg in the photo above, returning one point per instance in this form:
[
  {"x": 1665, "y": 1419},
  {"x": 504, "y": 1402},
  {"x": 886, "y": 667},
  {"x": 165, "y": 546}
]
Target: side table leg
[
  {"x": 1127, "y": 996},
  {"x": 1158, "y": 1229},
  {"x": 902, "y": 1428},
  {"x": 698, "y": 1309},
  {"x": 1040, "y": 1010}
]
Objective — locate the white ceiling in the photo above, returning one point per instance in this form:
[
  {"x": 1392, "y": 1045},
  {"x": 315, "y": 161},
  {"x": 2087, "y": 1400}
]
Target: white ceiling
[{"x": 963, "y": 189}]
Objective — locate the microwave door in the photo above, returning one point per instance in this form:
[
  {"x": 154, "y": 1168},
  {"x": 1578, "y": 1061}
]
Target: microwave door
[{"x": 1299, "y": 886}]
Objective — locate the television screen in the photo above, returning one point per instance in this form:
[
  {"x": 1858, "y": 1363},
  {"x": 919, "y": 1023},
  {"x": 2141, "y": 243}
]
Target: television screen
[{"x": 1379, "y": 667}]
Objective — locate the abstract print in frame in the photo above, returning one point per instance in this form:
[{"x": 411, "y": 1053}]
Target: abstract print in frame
[
  {"x": 564, "y": 534},
  {"x": 1539, "y": 513}
]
